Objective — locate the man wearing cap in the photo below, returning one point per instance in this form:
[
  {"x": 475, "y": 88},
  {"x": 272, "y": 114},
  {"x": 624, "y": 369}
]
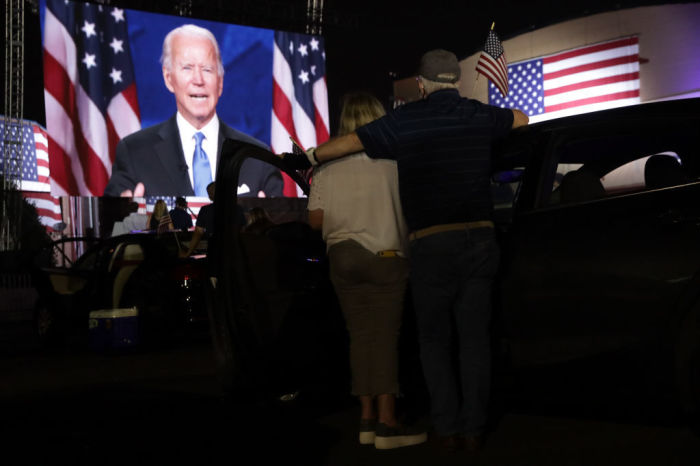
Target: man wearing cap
[{"x": 442, "y": 145}]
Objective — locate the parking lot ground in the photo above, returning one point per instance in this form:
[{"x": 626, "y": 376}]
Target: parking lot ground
[{"x": 165, "y": 406}]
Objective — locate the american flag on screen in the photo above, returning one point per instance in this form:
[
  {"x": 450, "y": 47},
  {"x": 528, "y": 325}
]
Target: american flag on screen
[
  {"x": 492, "y": 63},
  {"x": 33, "y": 174},
  {"x": 47, "y": 206},
  {"x": 89, "y": 91},
  {"x": 194, "y": 203},
  {"x": 300, "y": 97},
  {"x": 585, "y": 79}
]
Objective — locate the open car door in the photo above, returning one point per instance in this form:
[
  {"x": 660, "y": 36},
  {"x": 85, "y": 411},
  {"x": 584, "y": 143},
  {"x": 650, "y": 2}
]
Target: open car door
[{"x": 276, "y": 325}]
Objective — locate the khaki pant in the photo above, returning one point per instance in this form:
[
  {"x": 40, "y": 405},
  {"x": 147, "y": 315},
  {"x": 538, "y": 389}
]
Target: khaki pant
[{"x": 371, "y": 291}]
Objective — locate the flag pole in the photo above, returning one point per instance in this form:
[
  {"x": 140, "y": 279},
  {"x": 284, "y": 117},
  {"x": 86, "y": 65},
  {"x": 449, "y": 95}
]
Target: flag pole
[{"x": 493, "y": 24}]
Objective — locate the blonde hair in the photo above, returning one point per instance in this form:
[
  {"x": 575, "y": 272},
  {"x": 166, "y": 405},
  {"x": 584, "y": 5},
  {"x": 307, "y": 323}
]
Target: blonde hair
[
  {"x": 359, "y": 108},
  {"x": 160, "y": 209}
]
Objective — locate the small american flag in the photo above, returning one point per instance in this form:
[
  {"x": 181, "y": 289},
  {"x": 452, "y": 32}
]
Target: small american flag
[
  {"x": 492, "y": 63},
  {"x": 32, "y": 175},
  {"x": 584, "y": 79},
  {"x": 299, "y": 96}
]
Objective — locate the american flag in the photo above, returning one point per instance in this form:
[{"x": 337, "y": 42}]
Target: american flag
[
  {"x": 300, "y": 97},
  {"x": 89, "y": 91},
  {"x": 194, "y": 203},
  {"x": 33, "y": 174},
  {"x": 492, "y": 63},
  {"x": 47, "y": 206},
  {"x": 585, "y": 79}
]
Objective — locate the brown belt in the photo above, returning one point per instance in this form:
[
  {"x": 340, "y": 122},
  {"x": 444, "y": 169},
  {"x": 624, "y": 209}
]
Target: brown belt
[{"x": 422, "y": 233}]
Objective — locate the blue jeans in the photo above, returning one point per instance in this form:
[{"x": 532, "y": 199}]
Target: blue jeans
[{"x": 451, "y": 280}]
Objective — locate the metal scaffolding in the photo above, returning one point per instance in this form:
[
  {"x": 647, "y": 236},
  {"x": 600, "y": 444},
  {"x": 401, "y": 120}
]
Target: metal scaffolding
[
  {"x": 10, "y": 233},
  {"x": 314, "y": 17}
]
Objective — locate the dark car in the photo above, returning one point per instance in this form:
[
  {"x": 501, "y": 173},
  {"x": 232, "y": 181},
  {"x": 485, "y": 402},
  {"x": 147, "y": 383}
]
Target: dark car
[
  {"x": 599, "y": 217},
  {"x": 141, "y": 270}
]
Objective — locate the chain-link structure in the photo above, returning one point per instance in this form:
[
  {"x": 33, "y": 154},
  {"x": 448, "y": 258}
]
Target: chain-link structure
[
  {"x": 183, "y": 8},
  {"x": 314, "y": 17},
  {"x": 12, "y": 133}
]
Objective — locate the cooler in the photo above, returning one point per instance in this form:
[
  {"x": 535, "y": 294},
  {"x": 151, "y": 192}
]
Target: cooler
[{"x": 113, "y": 328}]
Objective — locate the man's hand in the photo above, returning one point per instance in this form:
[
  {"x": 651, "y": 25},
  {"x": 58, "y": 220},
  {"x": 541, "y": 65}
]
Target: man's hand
[
  {"x": 139, "y": 191},
  {"x": 300, "y": 159}
]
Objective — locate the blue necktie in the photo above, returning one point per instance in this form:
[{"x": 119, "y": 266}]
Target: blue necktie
[{"x": 201, "y": 172}]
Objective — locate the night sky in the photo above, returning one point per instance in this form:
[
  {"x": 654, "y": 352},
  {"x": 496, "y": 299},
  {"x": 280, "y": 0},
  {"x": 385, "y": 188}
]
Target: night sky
[{"x": 369, "y": 43}]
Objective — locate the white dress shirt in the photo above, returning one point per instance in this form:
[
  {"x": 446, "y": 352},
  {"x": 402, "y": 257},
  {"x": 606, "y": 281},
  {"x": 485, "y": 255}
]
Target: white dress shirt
[{"x": 210, "y": 143}]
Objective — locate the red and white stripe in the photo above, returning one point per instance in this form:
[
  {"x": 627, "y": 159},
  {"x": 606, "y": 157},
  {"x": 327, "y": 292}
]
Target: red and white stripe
[
  {"x": 194, "y": 203},
  {"x": 289, "y": 119},
  {"x": 595, "y": 77},
  {"x": 41, "y": 149},
  {"x": 495, "y": 69},
  {"x": 48, "y": 207},
  {"x": 81, "y": 140}
]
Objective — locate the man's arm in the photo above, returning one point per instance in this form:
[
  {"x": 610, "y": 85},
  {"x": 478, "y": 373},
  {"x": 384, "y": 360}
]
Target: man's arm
[
  {"x": 339, "y": 147},
  {"x": 332, "y": 149},
  {"x": 519, "y": 119},
  {"x": 121, "y": 182},
  {"x": 194, "y": 242}
]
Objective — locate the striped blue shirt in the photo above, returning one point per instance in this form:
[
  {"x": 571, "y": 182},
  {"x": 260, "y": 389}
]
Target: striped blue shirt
[{"x": 442, "y": 146}]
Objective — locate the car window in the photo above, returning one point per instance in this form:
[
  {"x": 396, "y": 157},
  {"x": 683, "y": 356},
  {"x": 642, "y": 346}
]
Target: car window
[
  {"x": 505, "y": 186},
  {"x": 95, "y": 258},
  {"x": 591, "y": 168},
  {"x": 511, "y": 157}
]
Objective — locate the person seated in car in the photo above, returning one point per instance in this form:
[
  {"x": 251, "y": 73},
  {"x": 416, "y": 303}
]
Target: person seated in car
[
  {"x": 580, "y": 185},
  {"x": 259, "y": 221}
]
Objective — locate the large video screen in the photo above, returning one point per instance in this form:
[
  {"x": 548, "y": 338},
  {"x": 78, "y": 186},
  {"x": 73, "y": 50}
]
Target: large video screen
[{"x": 121, "y": 123}]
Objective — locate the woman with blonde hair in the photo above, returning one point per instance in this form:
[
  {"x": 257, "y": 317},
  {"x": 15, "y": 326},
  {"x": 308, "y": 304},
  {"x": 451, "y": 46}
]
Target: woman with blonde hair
[
  {"x": 160, "y": 218},
  {"x": 355, "y": 202}
]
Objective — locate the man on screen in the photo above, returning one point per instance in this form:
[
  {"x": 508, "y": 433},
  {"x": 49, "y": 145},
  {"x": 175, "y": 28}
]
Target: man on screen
[{"x": 178, "y": 157}]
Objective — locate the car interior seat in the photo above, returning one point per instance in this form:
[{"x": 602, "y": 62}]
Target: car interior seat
[
  {"x": 580, "y": 185},
  {"x": 661, "y": 171},
  {"x": 131, "y": 258}
]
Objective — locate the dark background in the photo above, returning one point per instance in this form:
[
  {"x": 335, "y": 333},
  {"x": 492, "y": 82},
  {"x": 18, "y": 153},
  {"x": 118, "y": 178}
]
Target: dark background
[{"x": 369, "y": 43}]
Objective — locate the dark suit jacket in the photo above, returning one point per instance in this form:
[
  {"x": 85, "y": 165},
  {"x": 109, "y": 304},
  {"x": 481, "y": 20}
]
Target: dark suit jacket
[{"x": 154, "y": 157}]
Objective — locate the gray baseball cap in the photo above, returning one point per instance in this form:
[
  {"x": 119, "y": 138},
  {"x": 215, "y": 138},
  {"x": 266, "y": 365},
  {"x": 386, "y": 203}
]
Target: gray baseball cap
[{"x": 439, "y": 65}]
